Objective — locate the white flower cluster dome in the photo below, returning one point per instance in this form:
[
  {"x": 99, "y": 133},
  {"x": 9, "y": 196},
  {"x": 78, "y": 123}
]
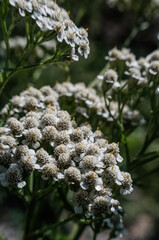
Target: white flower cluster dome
[
  {"x": 138, "y": 73},
  {"x": 50, "y": 17},
  {"x": 88, "y": 102},
  {"x": 40, "y": 137}
]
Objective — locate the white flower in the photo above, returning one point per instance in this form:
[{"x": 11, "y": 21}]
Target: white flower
[
  {"x": 44, "y": 23},
  {"x": 22, "y": 5},
  {"x": 13, "y": 176},
  {"x": 70, "y": 37},
  {"x": 32, "y": 137},
  {"x": 82, "y": 160},
  {"x": 50, "y": 17},
  {"x": 58, "y": 26},
  {"x": 109, "y": 79},
  {"x": 73, "y": 55},
  {"x": 84, "y": 48}
]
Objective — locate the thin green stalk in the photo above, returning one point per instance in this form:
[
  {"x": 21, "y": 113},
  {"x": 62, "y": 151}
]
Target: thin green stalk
[
  {"x": 137, "y": 25},
  {"x": 150, "y": 153},
  {"x": 121, "y": 127},
  {"x": 43, "y": 193},
  {"x": 11, "y": 73},
  {"x": 94, "y": 236},
  {"x": 108, "y": 108},
  {"x": 148, "y": 138},
  {"x": 28, "y": 217},
  {"x": 122, "y": 130},
  {"x": 8, "y": 73},
  {"x": 33, "y": 206},
  {"x": 73, "y": 231},
  {"x": 96, "y": 80},
  {"x": 151, "y": 132},
  {"x": 147, "y": 174},
  {"x": 143, "y": 162},
  {"x": 14, "y": 23},
  {"x": 27, "y": 28},
  {"x": 52, "y": 226},
  {"x": 67, "y": 205},
  {"x": 3, "y": 13},
  {"x": 132, "y": 35},
  {"x": 31, "y": 182},
  {"x": 79, "y": 232},
  {"x": 6, "y": 39}
]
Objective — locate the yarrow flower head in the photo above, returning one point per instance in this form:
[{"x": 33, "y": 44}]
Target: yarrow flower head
[
  {"x": 87, "y": 101},
  {"x": 46, "y": 140},
  {"x": 50, "y": 17},
  {"x": 109, "y": 79}
]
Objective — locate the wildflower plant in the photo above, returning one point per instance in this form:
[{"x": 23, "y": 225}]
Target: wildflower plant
[
  {"x": 44, "y": 21},
  {"x": 67, "y": 145},
  {"x": 39, "y": 139}
]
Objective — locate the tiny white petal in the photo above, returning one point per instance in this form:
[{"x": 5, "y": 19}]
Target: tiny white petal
[
  {"x": 22, "y": 12},
  {"x": 21, "y": 184}
]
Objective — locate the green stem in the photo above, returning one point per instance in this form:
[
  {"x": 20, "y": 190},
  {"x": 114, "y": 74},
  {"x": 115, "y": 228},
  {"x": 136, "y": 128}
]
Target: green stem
[
  {"x": 148, "y": 139},
  {"x": 13, "y": 24},
  {"x": 145, "y": 161},
  {"x": 79, "y": 232},
  {"x": 34, "y": 206},
  {"x": 5, "y": 31},
  {"x": 147, "y": 174},
  {"x": 52, "y": 226},
  {"x": 67, "y": 205},
  {"x": 31, "y": 182},
  {"x": 122, "y": 130},
  {"x": 94, "y": 236},
  {"x": 127, "y": 154},
  {"x": 13, "y": 71},
  {"x": 28, "y": 218},
  {"x": 7, "y": 73},
  {"x": 137, "y": 25},
  {"x": 119, "y": 123},
  {"x": 6, "y": 39},
  {"x": 5, "y": 77},
  {"x": 43, "y": 193},
  {"x": 27, "y": 27},
  {"x": 108, "y": 108},
  {"x": 132, "y": 35},
  {"x": 96, "y": 80}
]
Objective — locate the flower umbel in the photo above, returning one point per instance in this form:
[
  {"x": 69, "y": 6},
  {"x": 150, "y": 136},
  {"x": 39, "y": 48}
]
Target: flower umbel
[{"x": 47, "y": 141}]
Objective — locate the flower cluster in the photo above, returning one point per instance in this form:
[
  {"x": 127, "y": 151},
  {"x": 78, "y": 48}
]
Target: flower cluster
[
  {"x": 40, "y": 137},
  {"x": 87, "y": 101},
  {"x": 50, "y": 17},
  {"x": 134, "y": 74},
  {"x": 32, "y": 99},
  {"x": 129, "y": 79}
]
